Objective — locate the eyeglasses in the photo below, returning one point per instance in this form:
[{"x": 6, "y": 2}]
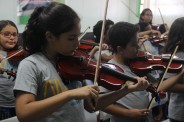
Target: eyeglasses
[
  {"x": 148, "y": 15},
  {"x": 9, "y": 34}
]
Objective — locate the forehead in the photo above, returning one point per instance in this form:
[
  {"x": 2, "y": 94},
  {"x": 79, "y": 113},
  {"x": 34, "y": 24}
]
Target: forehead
[
  {"x": 134, "y": 39},
  {"x": 148, "y": 11},
  {"x": 75, "y": 31},
  {"x": 9, "y": 28}
]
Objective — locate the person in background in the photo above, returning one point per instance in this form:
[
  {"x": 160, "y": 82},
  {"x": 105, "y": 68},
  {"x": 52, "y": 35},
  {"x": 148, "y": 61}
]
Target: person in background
[
  {"x": 176, "y": 104},
  {"x": 8, "y": 43},
  {"x": 106, "y": 53},
  {"x": 147, "y": 16},
  {"x": 132, "y": 107}
]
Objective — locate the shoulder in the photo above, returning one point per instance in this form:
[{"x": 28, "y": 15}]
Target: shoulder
[{"x": 32, "y": 61}]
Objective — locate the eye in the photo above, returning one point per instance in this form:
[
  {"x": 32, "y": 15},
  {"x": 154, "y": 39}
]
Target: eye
[
  {"x": 7, "y": 33},
  {"x": 71, "y": 39},
  {"x": 15, "y": 34}
]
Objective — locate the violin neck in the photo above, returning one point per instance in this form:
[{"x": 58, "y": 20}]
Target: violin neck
[
  {"x": 174, "y": 60},
  {"x": 117, "y": 74},
  {"x": 89, "y": 43}
]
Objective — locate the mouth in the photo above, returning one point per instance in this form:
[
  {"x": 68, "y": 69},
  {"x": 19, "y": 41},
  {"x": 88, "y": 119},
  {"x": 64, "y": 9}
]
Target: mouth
[{"x": 12, "y": 43}]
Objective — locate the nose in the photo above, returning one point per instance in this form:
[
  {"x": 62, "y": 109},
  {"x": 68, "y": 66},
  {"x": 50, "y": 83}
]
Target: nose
[
  {"x": 77, "y": 43},
  {"x": 12, "y": 36}
]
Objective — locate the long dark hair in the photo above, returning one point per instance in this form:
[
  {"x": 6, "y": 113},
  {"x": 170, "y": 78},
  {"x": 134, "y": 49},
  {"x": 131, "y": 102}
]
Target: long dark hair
[
  {"x": 3, "y": 24},
  {"x": 98, "y": 28},
  {"x": 57, "y": 18},
  {"x": 143, "y": 13},
  {"x": 176, "y": 34}
]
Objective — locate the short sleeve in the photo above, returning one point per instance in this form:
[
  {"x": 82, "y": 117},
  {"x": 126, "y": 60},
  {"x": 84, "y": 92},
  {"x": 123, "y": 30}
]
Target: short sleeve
[{"x": 27, "y": 78}]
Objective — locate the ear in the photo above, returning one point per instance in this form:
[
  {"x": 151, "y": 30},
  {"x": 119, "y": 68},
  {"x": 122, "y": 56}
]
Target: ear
[
  {"x": 49, "y": 36},
  {"x": 120, "y": 49}
]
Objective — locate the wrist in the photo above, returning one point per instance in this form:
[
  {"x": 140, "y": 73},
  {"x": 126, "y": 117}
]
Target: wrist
[
  {"x": 96, "y": 48},
  {"x": 127, "y": 88},
  {"x": 70, "y": 95}
]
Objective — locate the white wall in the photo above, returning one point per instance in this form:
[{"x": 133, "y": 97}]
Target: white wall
[
  {"x": 8, "y": 11},
  {"x": 133, "y": 18},
  {"x": 170, "y": 10},
  {"x": 90, "y": 11}
]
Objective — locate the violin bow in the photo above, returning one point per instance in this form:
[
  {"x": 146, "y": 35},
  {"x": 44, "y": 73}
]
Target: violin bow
[
  {"x": 165, "y": 72},
  {"x": 100, "y": 44},
  {"x": 99, "y": 54},
  {"x": 84, "y": 33},
  {"x": 12, "y": 55},
  {"x": 162, "y": 20}
]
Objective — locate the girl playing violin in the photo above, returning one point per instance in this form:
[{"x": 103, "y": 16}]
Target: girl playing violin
[
  {"x": 145, "y": 43},
  {"x": 147, "y": 16},
  {"x": 106, "y": 53},
  {"x": 151, "y": 34},
  {"x": 176, "y": 106},
  {"x": 8, "y": 43},
  {"x": 41, "y": 94},
  {"x": 132, "y": 107}
]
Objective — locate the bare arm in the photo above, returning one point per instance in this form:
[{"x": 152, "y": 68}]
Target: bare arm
[
  {"x": 148, "y": 32},
  {"x": 141, "y": 34},
  {"x": 170, "y": 82},
  {"x": 93, "y": 51},
  {"x": 28, "y": 109},
  {"x": 109, "y": 98},
  {"x": 178, "y": 88},
  {"x": 118, "y": 110},
  {"x": 106, "y": 58}
]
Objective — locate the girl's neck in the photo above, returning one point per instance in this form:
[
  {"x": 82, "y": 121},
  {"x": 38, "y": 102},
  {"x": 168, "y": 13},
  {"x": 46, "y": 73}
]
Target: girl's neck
[
  {"x": 120, "y": 59},
  {"x": 51, "y": 55}
]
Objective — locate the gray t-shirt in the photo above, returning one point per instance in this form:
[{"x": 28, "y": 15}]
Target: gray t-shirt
[
  {"x": 176, "y": 102},
  {"x": 7, "y": 82},
  {"x": 37, "y": 75},
  {"x": 136, "y": 100}
]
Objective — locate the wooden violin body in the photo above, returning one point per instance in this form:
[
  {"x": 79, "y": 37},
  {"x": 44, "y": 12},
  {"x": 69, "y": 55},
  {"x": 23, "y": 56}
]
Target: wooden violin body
[
  {"x": 87, "y": 45},
  {"x": 80, "y": 68},
  {"x": 16, "y": 55},
  {"x": 145, "y": 63}
]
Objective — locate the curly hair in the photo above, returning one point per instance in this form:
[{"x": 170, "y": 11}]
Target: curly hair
[{"x": 121, "y": 33}]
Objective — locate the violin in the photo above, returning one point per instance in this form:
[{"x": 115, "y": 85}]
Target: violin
[
  {"x": 145, "y": 63},
  {"x": 16, "y": 55},
  {"x": 156, "y": 39},
  {"x": 87, "y": 45},
  {"x": 80, "y": 68}
]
